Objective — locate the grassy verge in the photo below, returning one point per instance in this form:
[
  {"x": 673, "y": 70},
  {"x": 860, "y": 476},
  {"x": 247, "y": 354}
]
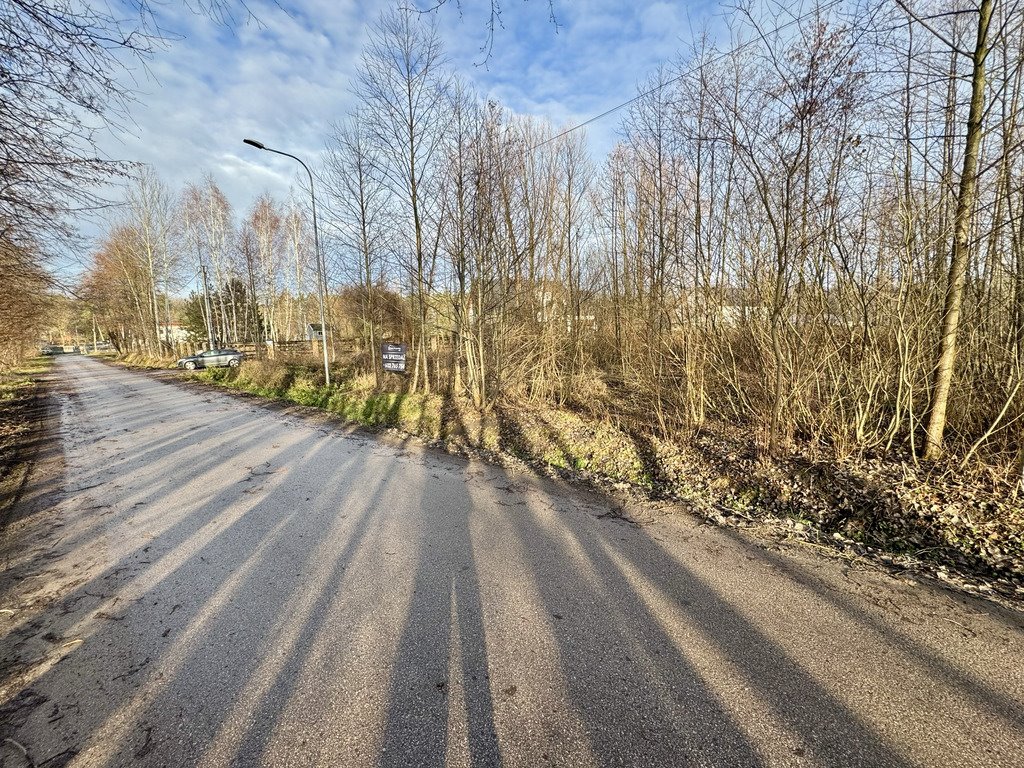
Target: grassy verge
[
  {"x": 20, "y": 420},
  {"x": 354, "y": 400},
  {"x": 887, "y": 510},
  {"x": 140, "y": 361}
]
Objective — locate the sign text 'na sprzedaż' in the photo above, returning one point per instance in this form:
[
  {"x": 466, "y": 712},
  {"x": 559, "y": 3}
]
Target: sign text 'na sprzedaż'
[{"x": 393, "y": 357}]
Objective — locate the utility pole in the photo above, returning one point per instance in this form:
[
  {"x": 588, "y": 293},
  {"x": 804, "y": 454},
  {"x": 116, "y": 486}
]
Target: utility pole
[{"x": 209, "y": 310}]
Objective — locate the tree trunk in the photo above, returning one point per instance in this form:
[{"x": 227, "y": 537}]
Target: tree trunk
[{"x": 943, "y": 375}]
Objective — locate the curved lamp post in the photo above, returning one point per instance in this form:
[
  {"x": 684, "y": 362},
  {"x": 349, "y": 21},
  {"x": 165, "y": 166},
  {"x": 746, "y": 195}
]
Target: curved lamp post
[{"x": 321, "y": 273}]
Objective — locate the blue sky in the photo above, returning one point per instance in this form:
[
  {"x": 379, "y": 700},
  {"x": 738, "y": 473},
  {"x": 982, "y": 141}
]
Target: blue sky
[{"x": 285, "y": 79}]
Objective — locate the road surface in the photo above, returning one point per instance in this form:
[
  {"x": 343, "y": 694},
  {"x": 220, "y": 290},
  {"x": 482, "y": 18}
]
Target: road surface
[{"x": 195, "y": 579}]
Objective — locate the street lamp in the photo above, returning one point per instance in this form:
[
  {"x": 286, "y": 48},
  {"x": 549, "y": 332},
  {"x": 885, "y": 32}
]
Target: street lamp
[{"x": 320, "y": 271}]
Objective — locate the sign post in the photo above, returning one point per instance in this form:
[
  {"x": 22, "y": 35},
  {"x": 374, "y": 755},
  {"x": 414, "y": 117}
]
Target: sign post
[{"x": 393, "y": 357}]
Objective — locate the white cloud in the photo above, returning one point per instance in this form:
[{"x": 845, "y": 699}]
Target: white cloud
[{"x": 285, "y": 79}]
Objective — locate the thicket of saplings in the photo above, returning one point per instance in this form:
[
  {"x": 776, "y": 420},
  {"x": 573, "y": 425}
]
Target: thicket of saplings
[{"x": 690, "y": 410}]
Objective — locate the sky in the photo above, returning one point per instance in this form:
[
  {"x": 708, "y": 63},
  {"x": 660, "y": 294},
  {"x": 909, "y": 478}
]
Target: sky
[{"x": 284, "y": 76}]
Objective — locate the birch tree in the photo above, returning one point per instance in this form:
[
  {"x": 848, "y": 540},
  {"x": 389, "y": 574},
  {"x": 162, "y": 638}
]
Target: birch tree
[{"x": 401, "y": 84}]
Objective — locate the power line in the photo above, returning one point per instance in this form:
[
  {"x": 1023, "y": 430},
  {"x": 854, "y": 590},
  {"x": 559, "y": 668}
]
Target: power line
[{"x": 687, "y": 73}]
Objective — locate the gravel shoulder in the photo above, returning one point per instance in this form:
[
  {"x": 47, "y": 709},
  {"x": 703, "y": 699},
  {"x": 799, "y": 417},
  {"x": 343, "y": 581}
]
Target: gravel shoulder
[{"x": 195, "y": 579}]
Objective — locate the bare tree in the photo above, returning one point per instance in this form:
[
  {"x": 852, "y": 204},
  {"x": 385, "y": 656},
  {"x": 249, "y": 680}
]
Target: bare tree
[
  {"x": 361, "y": 217},
  {"x": 958, "y": 260},
  {"x": 402, "y": 82},
  {"x": 151, "y": 215},
  {"x": 59, "y": 89},
  {"x": 300, "y": 245},
  {"x": 265, "y": 223},
  {"x": 23, "y": 303}
]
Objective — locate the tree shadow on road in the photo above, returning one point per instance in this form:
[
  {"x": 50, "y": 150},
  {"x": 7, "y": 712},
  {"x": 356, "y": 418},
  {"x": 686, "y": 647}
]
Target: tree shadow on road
[
  {"x": 369, "y": 605},
  {"x": 672, "y": 710},
  {"x": 441, "y": 658}
]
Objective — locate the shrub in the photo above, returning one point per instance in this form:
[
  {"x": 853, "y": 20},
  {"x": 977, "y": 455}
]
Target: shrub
[{"x": 265, "y": 377}]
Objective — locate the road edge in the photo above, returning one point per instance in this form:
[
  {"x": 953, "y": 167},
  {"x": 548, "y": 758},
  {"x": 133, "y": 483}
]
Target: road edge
[{"x": 630, "y": 503}]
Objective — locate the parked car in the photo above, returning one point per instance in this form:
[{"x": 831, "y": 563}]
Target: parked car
[{"x": 212, "y": 358}]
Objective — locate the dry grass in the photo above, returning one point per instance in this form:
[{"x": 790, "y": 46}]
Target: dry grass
[{"x": 19, "y": 421}]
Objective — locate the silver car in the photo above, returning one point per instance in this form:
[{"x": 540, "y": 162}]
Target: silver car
[{"x": 212, "y": 358}]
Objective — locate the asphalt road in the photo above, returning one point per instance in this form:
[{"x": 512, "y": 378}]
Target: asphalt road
[{"x": 194, "y": 579}]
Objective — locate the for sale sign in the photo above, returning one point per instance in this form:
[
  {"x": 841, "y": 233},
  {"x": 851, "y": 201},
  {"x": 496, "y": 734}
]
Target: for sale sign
[{"x": 393, "y": 357}]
